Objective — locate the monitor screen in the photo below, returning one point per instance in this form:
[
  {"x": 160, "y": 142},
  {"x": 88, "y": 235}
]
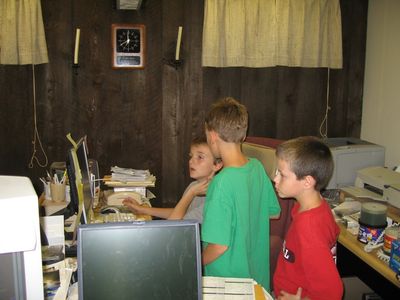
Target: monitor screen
[{"x": 140, "y": 260}]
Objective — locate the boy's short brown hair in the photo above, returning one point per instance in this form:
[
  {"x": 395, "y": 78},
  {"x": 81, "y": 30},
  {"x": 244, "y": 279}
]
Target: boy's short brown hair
[
  {"x": 199, "y": 139},
  {"x": 229, "y": 119},
  {"x": 308, "y": 155}
]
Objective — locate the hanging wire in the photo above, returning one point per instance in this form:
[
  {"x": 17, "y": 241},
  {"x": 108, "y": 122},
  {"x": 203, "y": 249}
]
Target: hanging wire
[
  {"x": 36, "y": 137},
  {"x": 323, "y": 128}
]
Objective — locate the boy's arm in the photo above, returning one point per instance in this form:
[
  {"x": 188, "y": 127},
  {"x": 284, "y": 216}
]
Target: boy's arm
[
  {"x": 146, "y": 210},
  {"x": 194, "y": 190},
  {"x": 212, "y": 252}
]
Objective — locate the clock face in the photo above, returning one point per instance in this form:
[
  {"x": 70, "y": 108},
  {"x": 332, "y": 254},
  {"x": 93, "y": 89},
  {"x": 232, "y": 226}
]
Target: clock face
[{"x": 128, "y": 40}]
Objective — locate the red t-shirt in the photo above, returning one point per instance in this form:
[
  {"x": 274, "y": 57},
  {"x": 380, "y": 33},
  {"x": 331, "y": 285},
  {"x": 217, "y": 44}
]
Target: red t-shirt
[{"x": 308, "y": 257}]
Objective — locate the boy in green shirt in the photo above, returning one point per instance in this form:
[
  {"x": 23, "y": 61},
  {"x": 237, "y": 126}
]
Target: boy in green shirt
[{"x": 239, "y": 203}]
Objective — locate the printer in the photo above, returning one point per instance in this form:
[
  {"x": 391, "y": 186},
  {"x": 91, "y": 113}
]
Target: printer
[
  {"x": 381, "y": 181},
  {"x": 350, "y": 155}
]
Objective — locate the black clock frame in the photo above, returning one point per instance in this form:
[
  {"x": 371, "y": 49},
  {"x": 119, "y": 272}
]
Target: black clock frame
[{"x": 128, "y": 46}]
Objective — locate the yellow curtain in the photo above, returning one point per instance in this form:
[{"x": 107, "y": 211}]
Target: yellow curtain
[
  {"x": 22, "y": 37},
  {"x": 265, "y": 33}
]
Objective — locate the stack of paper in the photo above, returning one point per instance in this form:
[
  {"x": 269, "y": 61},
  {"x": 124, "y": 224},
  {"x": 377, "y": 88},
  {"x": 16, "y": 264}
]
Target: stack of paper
[
  {"x": 128, "y": 177},
  {"x": 225, "y": 288},
  {"x": 128, "y": 174}
]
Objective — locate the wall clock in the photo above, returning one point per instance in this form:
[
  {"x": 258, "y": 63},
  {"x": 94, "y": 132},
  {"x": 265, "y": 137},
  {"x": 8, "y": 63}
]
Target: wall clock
[{"x": 128, "y": 46}]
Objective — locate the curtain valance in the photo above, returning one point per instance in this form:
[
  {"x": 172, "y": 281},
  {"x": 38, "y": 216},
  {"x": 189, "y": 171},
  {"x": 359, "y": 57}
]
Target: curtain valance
[
  {"x": 265, "y": 33},
  {"x": 22, "y": 37}
]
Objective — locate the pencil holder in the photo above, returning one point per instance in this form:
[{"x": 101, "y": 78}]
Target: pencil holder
[{"x": 57, "y": 192}]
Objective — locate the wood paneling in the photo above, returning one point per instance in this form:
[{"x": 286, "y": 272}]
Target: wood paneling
[{"x": 147, "y": 118}]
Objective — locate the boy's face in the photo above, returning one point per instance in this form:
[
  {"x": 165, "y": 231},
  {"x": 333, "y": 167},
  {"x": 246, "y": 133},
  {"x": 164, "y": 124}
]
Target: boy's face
[
  {"x": 201, "y": 162},
  {"x": 286, "y": 183}
]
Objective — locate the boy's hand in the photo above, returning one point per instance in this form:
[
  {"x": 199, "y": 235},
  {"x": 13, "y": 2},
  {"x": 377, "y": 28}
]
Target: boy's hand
[
  {"x": 132, "y": 204},
  {"x": 286, "y": 296},
  {"x": 199, "y": 188}
]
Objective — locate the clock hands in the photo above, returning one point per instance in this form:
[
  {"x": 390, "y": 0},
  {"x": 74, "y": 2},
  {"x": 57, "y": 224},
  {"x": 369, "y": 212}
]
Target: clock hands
[{"x": 127, "y": 41}]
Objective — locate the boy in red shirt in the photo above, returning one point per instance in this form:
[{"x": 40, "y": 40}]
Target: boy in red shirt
[{"x": 306, "y": 266}]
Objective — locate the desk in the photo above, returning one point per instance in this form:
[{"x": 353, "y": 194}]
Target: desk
[
  {"x": 357, "y": 248},
  {"x": 350, "y": 242},
  {"x": 53, "y": 207}
]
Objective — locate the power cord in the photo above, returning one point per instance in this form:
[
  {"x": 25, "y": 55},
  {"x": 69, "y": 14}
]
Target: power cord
[
  {"x": 383, "y": 256},
  {"x": 376, "y": 244},
  {"x": 324, "y": 132},
  {"x": 36, "y": 137}
]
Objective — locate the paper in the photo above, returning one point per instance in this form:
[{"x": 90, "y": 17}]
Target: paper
[
  {"x": 130, "y": 171},
  {"x": 347, "y": 208},
  {"x": 53, "y": 227},
  {"x": 70, "y": 223},
  {"x": 218, "y": 288}
]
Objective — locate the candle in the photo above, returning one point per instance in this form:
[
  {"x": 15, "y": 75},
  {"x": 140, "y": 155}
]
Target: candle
[
  {"x": 78, "y": 33},
  {"x": 178, "y": 43}
]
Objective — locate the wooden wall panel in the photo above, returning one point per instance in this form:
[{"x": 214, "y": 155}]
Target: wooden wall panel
[
  {"x": 16, "y": 115},
  {"x": 172, "y": 128},
  {"x": 147, "y": 118}
]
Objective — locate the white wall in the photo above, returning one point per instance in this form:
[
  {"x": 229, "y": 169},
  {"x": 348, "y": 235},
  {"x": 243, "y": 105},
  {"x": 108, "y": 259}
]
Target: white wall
[{"x": 381, "y": 102}]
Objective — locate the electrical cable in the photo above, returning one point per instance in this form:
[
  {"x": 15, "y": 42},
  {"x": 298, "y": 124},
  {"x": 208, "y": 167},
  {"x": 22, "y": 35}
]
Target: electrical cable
[
  {"x": 36, "y": 137},
  {"x": 324, "y": 133},
  {"x": 375, "y": 244}
]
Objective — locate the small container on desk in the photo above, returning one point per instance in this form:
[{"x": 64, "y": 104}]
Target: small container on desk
[
  {"x": 372, "y": 222},
  {"x": 394, "y": 262}
]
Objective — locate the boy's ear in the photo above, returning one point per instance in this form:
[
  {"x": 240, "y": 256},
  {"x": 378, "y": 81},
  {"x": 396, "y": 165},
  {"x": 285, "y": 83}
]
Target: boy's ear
[
  {"x": 309, "y": 181},
  {"x": 218, "y": 165},
  {"x": 213, "y": 136}
]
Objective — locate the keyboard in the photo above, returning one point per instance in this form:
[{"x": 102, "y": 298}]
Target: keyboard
[{"x": 115, "y": 217}]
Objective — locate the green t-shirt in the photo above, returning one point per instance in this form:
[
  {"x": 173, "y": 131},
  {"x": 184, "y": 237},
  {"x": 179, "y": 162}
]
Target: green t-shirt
[{"x": 239, "y": 203}]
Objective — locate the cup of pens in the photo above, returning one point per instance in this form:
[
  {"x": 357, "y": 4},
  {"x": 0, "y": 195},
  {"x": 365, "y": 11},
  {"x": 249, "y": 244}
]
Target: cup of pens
[{"x": 57, "y": 189}]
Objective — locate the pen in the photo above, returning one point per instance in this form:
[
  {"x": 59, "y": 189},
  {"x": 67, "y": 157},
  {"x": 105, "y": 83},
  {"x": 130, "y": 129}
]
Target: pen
[{"x": 63, "y": 178}]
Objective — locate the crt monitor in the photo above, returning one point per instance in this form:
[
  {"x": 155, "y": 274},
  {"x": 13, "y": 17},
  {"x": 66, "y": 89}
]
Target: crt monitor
[
  {"x": 140, "y": 260},
  {"x": 21, "y": 274}
]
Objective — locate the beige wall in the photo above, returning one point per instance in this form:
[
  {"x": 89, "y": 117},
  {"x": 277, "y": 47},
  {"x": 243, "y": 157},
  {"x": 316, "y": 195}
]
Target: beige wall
[{"x": 381, "y": 102}]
